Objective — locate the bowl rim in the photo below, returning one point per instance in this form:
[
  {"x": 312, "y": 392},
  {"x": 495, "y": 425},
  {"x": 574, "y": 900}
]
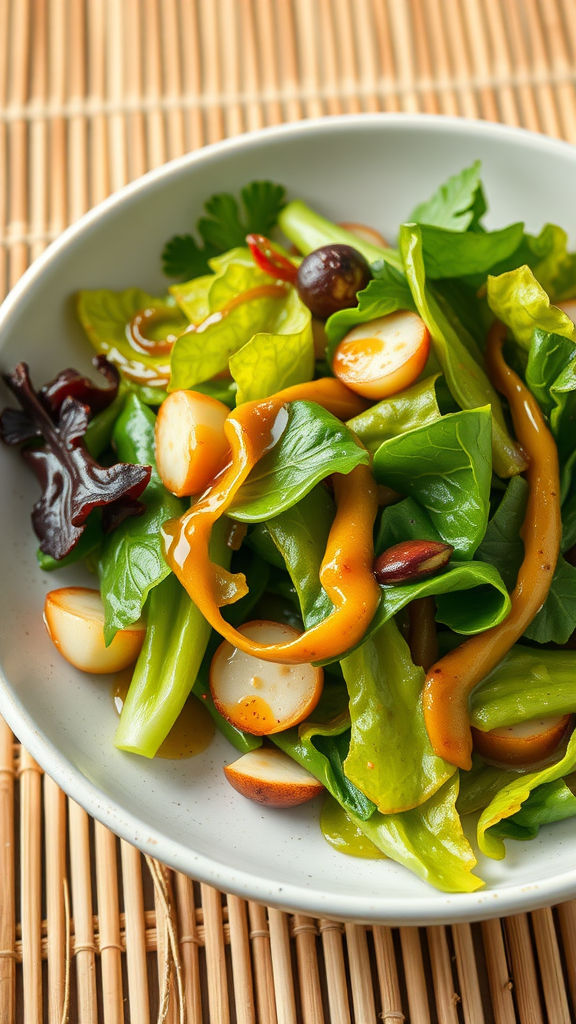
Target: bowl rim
[{"x": 439, "y": 907}]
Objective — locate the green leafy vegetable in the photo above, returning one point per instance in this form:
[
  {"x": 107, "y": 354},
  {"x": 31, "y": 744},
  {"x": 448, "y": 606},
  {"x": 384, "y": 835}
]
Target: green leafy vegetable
[
  {"x": 553, "y": 801},
  {"x": 415, "y": 407},
  {"x": 192, "y": 297},
  {"x": 529, "y": 683},
  {"x": 343, "y": 834},
  {"x": 511, "y": 798},
  {"x": 481, "y": 784},
  {"x": 131, "y": 561},
  {"x": 551, "y": 376},
  {"x": 271, "y": 362},
  {"x": 428, "y": 840},
  {"x": 446, "y": 466},
  {"x": 313, "y": 444},
  {"x": 449, "y": 253},
  {"x": 521, "y": 303},
  {"x": 105, "y": 316},
  {"x": 457, "y": 205},
  {"x": 391, "y": 759},
  {"x": 556, "y": 267},
  {"x": 502, "y": 545},
  {"x": 224, "y": 228},
  {"x": 467, "y": 381}
]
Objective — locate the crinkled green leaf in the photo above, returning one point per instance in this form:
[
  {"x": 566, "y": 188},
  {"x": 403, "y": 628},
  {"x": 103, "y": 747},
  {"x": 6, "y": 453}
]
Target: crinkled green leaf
[
  {"x": 466, "y": 379},
  {"x": 456, "y": 204},
  {"x": 131, "y": 561},
  {"x": 414, "y": 407},
  {"x": 313, "y": 445},
  {"x": 428, "y": 840},
  {"x": 521, "y": 303},
  {"x": 105, "y": 316},
  {"x": 192, "y": 297},
  {"x": 528, "y": 683},
  {"x": 453, "y": 253},
  {"x": 556, "y": 268},
  {"x": 511, "y": 798},
  {"x": 390, "y": 759},
  {"x": 446, "y": 466},
  {"x": 271, "y": 362},
  {"x": 554, "y": 801}
]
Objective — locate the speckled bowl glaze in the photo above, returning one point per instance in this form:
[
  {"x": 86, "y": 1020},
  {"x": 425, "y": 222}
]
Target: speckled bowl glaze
[{"x": 369, "y": 168}]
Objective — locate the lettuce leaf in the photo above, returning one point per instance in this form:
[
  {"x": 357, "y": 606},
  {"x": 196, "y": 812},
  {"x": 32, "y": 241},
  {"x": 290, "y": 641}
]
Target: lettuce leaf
[
  {"x": 457, "y": 205},
  {"x": 321, "y": 745},
  {"x": 479, "y": 785},
  {"x": 554, "y": 801},
  {"x": 313, "y": 445},
  {"x": 513, "y": 796},
  {"x": 300, "y": 535},
  {"x": 390, "y": 759},
  {"x": 556, "y": 269},
  {"x": 529, "y": 683},
  {"x": 271, "y": 362},
  {"x": 192, "y": 297},
  {"x": 521, "y": 303},
  {"x": 466, "y": 379},
  {"x": 461, "y": 253},
  {"x": 131, "y": 560},
  {"x": 428, "y": 840},
  {"x": 105, "y": 316},
  {"x": 446, "y": 466},
  {"x": 551, "y": 376},
  {"x": 415, "y": 407}
]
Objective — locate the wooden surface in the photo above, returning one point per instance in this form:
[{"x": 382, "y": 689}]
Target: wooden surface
[{"x": 92, "y": 94}]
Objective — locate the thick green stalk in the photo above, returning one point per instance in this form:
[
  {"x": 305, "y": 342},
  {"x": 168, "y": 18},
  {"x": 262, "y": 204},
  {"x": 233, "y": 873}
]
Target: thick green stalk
[{"x": 308, "y": 231}]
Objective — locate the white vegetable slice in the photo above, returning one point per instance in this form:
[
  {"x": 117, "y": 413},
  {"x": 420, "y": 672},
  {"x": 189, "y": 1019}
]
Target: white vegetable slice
[
  {"x": 525, "y": 743},
  {"x": 263, "y": 697},
  {"x": 74, "y": 618},
  {"x": 190, "y": 441},
  {"x": 383, "y": 356},
  {"x": 271, "y": 777}
]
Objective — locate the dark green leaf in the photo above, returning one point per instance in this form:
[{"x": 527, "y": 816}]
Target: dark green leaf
[
  {"x": 460, "y": 253},
  {"x": 502, "y": 545},
  {"x": 457, "y": 205},
  {"x": 554, "y": 801}
]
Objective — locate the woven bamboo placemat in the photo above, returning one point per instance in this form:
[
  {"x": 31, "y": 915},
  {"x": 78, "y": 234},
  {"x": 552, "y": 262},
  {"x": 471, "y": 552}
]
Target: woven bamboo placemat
[{"x": 92, "y": 94}]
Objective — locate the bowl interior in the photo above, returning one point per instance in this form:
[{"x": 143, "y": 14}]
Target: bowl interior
[{"x": 372, "y": 169}]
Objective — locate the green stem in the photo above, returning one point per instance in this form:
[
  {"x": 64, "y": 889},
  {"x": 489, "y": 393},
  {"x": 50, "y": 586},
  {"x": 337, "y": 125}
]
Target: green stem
[{"x": 308, "y": 231}]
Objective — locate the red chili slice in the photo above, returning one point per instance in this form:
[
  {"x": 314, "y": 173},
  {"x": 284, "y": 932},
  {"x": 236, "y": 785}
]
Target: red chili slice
[{"x": 270, "y": 260}]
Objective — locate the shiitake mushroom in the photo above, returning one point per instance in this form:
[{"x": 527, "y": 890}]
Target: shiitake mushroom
[{"x": 330, "y": 278}]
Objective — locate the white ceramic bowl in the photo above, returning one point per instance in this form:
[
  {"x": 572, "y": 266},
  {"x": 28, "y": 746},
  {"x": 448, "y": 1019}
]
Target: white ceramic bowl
[{"x": 373, "y": 169}]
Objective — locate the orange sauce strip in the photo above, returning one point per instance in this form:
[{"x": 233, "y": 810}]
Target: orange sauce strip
[
  {"x": 451, "y": 680},
  {"x": 346, "y": 571}
]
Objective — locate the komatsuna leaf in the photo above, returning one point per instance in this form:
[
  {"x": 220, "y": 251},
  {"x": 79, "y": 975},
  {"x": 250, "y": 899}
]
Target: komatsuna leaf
[
  {"x": 551, "y": 376},
  {"x": 386, "y": 293},
  {"x": 427, "y": 840},
  {"x": 105, "y": 315},
  {"x": 321, "y": 744},
  {"x": 446, "y": 466},
  {"x": 449, "y": 253},
  {"x": 456, "y": 204},
  {"x": 270, "y": 362},
  {"x": 514, "y": 795},
  {"x": 390, "y": 759},
  {"x": 553, "y": 801},
  {"x": 313, "y": 445},
  {"x": 198, "y": 355},
  {"x": 521, "y": 303},
  {"x": 465, "y": 377},
  {"x": 415, "y": 407},
  {"x": 529, "y": 683},
  {"x": 131, "y": 562}
]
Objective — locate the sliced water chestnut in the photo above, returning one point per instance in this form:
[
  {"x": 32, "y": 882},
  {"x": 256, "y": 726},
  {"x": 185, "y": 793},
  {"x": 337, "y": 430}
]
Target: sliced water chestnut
[
  {"x": 383, "y": 356},
  {"x": 190, "y": 441},
  {"x": 270, "y": 777},
  {"x": 525, "y": 743},
  {"x": 330, "y": 278},
  {"x": 74, "y": 618}
]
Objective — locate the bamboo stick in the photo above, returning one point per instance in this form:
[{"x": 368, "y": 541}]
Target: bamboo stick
[
  {"x": 399, "y": 16},
  {"x": 415, "y": 977},
  {"x": 110, "y": 947},
  {"x": 18, "y": 139},
  {"x": 288, "y": 60},
  {"x": 31, "y": 885},
  {"x": 307, "y": 38},
  {"x": 540, "y": 68},
  {"x": 189, "y": 943},
  {"x": 168, "y": 1011},
  {"x": 480, "y": 55},
  {"x": 262, "y": 961},
  {"x": 171, "y": 64},
  {"x": 78, "y": 126},
  {"x": 38, "y": 164},
  {"x": 215, "y": 955},
  {"x": 99, "y": 165},
  {"x": 367, "y": 63},
  {"x": 56, "y": 879},
  {"x": 390, "y": 99},
  {"x": 84, "y": 946},
  {"x": 135, "y": 933},
  {"x": 241, "y": 966},
  {"x": 498, "y": 973},
  {"x": 152, "y": 78},
  {"x": 282, "y": 967},
  {"x": 522, "y": 65},
  {"x": 348, "y": 63},
  {"x": 7, "y": 874},
  {"x": 268, "y": 57},
  {"x": 429, "y": 97},
  {"x": 114, "y": 73},
  {"x": 211, "y": 70},
  {"x": 523, "y": 969},
  {"x": 304, "y": 930},
  {"x": 191, "y": 73},
  {"x": 250, "y": 71},
  {"x": 387, "y": 974},
  {"x": 230, "y": 67},
  {"x": 4, "y": 51},
  {"x": 460, "y": 58},
  {"x": 58, "y": 66},
  {"x": 501, "y": 62},
  {"x": 567, "y": 917},
  {"x": 446, "y": 998},
  {"x": 360, "y": 974},
  {"x": 136, "y": 128},
  {"x": 335, "y": 969},
  {"x": 472, "y": 1008},
  {"x": 550, "y": 966},
  {"x": 330, "y": 69},
  {"x": 441, "y": 67},
  {"x": 554, "y": 34}
]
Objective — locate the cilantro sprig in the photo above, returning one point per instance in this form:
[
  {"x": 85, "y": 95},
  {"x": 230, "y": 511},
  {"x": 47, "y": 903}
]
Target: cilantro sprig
[{"x": 224, "y": 227}]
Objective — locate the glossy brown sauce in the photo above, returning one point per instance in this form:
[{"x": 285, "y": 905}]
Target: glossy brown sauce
[{"x": 191, "y": 733}]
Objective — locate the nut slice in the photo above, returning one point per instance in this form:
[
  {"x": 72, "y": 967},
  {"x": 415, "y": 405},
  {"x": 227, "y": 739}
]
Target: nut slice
[
  {"x": 271, "y": 777},
  {"x": 74, "y": 618},
  {"x": 523, "y": 744}
]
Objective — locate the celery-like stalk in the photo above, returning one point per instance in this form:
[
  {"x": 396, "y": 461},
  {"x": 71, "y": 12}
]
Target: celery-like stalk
[{"x": 308, "y": 231}]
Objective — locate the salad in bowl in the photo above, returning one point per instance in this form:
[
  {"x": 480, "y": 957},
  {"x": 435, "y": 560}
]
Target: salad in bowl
[{"x": 326, "y": 488}]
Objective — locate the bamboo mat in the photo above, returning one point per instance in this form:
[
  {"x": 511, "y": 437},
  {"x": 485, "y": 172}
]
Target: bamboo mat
[{"x": 92, "y": 94}]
